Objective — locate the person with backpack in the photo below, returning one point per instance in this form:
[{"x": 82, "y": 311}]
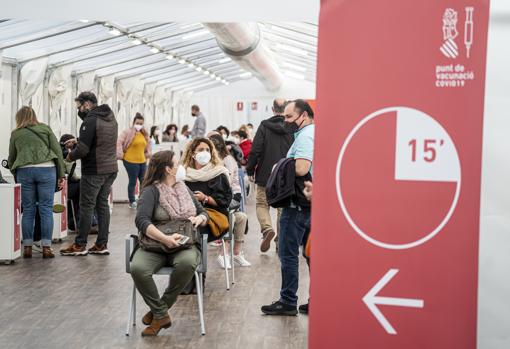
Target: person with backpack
[
  {"x": 271, "y": 143},
  {"x": 36, "y": 161},
  {"x": 295, "y": 218}
]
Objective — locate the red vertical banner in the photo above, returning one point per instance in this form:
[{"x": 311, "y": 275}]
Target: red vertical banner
[
  {"x": 17, "y": 218},
  {"x": 397, "y": 170}
]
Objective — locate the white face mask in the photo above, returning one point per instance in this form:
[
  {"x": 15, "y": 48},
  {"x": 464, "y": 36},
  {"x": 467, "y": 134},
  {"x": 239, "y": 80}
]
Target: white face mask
[
  {"x": 236, "y": 140},
  {"x": 203, "y": 157},
  {"x": 180, "y": 175},
  {"x": 157, "y": 132},
  {"x": 138, "y": 127},
  {"x": 224, "y": 137}
]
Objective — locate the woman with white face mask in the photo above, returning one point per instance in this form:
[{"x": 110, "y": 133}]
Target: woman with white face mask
[
  {"x": 208, "y": 179},
  {"x": 134, "y": 149}
]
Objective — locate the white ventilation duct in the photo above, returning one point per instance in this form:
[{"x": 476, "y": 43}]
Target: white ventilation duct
[{"x": 242, "y": 42}]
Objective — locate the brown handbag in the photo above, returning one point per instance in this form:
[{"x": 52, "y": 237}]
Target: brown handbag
[
  {"x": 180, "y": 226},
  {"x": 218, "y": 222}
]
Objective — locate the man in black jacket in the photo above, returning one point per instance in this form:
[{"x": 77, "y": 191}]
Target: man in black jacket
[
  {"x": 96, "y": 147},
  {"x": 271, "y": 143}
]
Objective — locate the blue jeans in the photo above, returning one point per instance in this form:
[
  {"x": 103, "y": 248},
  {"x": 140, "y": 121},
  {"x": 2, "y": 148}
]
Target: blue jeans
[
  {"x": 37, "y": 187},
  {"x": 294, "y": 231},
  {"x": 135, "y": 172}
]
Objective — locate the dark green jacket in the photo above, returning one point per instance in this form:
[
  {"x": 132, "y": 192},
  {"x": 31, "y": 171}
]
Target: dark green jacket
[{"x": 26, "y": 148}]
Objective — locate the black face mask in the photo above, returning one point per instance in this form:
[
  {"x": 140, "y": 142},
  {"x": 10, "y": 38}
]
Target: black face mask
[
  {"x": 292, "y": 127},
  {"x": 82, "y": 114}
]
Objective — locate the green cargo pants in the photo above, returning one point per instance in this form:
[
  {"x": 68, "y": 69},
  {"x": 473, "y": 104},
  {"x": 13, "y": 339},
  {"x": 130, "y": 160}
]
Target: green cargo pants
[{"x": 145, "y": 264}]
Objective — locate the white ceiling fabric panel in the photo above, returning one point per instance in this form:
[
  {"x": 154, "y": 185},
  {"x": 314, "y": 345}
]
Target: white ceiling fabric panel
[
  {"x": 148, "y": 103},
  {"x": 31, "y": 77},
  {"x": 125, "y": 90},
  {"x": 59, "y": 82},
  {"x": 86, "y": 81},
  {"x": 137, "y": 98},
  {"x": 106, "y": 88}
]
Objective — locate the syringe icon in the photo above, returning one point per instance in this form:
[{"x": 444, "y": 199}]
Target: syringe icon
[{"x": 468, "y": 30}]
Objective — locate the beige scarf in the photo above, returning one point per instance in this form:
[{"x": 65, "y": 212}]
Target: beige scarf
[{"x": 206, "y": 173}]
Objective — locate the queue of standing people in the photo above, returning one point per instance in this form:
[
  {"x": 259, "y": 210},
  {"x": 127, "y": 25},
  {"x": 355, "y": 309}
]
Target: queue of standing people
[{"x": 201, "y": 188}]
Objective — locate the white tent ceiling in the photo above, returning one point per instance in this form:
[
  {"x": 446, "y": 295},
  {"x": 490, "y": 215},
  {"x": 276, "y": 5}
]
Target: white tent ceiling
[{"x": 180, "y": 56}]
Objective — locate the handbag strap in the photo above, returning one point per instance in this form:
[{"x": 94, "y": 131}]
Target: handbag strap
[{"x": 41, "y": 138}]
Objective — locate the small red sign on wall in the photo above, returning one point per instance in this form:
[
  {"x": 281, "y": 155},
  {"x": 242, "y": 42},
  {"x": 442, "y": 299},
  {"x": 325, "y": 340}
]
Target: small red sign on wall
[
  {"x": 253, "y": 105},
  {"x": 240, "y": 106}
]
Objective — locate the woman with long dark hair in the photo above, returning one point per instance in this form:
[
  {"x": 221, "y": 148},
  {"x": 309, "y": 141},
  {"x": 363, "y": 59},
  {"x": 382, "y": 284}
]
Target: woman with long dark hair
[
  {"x": 155, "y": 135},
  {"x": 170, "y": 134},
  {"x": 134, "y": 149},
  {"x": 164, "y": 198}
]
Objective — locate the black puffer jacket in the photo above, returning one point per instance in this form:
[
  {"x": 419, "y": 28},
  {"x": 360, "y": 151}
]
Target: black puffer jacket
[
  {"x": 271, "y": 143},
  {"x": 97, "y": 143}
]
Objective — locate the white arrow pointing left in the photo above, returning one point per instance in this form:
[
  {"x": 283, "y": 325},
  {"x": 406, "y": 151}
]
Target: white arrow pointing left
[{"x": 372, "y": 300}]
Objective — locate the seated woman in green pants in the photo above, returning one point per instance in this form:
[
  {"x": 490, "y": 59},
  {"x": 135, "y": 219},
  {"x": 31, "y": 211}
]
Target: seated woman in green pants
[{"x": 164, "y": 197}]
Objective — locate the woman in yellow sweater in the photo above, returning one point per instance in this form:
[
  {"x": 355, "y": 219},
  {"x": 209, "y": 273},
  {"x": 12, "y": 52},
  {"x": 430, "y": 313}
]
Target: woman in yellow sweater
[{"x": 134, "y": 149}]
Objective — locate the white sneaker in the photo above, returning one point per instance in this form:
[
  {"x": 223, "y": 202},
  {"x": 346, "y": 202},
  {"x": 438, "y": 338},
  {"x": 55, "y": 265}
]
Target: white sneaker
[
  {"x": 133, "y": 205},
  {"x": 239, "y": 259},
  {"x": 221, "y": 262},
  {"x": 215, "y": 243}
]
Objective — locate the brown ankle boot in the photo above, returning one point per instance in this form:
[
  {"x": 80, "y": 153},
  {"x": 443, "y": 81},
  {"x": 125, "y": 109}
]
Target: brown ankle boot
[
  {"x": 156, "y": 326},
  {"x": 147, "y": 318},
  {"x": 47, "y": 252},
  {"x": 27, "y": 252}
]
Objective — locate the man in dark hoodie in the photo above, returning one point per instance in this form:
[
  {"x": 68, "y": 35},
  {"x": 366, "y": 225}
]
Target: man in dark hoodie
[
  {"x": 96, "y": 147},
  {"x": 271, "y": 143}
]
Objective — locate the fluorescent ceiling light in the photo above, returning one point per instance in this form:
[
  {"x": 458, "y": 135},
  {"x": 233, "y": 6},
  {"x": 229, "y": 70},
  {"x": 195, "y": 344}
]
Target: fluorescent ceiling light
[
  {"x": 225, "y": 60},
  {"x": 136, "y": 41},
  {"x": 155, "y": 50},
  {"x": 292, "y": 49},
  {"x": 84, "y": 20},
  {"x": 218, "y": 78},
  {"x": 191, "y": 65},
  {"x": 190, "y": 25},
  {"x": 195, "y": 34},
  {"x": 295, "y": 75},
  {"x": 182, "y": 61},
  {"x": 207, "y": 72},
  {"x": 294, "y": 66},
  {"x": 245, "y": 75},
  {"x": 114, "y": 31},
  {"x": 198, "y": 68},
  {"x": 170, "y": 56}
]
